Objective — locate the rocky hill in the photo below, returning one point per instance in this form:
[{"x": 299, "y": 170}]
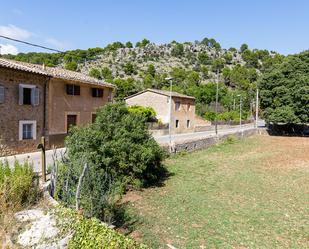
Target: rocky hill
[{"x": 195, "y": 66}]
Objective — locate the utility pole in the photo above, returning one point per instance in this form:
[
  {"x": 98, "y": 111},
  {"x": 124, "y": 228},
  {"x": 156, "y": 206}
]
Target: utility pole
[
  {"x": 217, "y": 98},
  {"x": 257, "y": 108},
  {"x": 170, "y": 113}
]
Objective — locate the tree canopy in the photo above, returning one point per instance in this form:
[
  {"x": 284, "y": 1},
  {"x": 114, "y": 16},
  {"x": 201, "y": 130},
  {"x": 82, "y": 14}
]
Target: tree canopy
[{"x": 285, "y": 91}]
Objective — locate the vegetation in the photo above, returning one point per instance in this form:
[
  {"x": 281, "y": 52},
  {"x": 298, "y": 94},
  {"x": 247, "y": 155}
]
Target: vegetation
[
  {"x": 285, "y": 91},
  {"x": 18, "y": 186},
  {"x": 118, "y": 151},
  {"x": 237, "y": 194},
  {"x": 148, "y": 113},
  {"x": 91, "y": 233}
]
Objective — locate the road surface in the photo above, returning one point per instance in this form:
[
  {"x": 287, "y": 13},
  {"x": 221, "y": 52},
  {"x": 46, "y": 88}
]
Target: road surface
[{"x": 35, "y": 157}]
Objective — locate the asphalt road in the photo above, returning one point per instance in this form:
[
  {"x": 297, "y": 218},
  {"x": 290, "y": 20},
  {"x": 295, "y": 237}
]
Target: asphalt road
[{"x": 35, "y": 157}]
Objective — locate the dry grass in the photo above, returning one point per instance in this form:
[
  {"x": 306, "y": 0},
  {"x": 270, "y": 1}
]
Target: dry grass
[{"x": 251, "y": 194}]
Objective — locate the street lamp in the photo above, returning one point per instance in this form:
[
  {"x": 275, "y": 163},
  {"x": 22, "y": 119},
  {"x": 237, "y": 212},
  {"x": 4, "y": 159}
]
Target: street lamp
[
  {"x": 217, "y": 97},
  {"x": 240, "y": 103},
  {"x": 257, "y": 108},
  {"x": 170, "y": 79}
]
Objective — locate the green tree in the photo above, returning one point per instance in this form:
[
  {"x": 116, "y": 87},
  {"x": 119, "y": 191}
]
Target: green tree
[
  {"x": 72, "y": 65},
  {"x": 129, "y": 68},
  {"x": 204, "y": 58},
  {"x": 107, "y": 73},
  {"x": 129, "y": 44},
  {"x": 285, "y": 90},
  {"x": 95, "y": 72},
  {"x": 151, "y": 70},
  {"x": 118, "y": 150},
  {"x": 142, "y": 43},
  {"x": 243, "y": 47},
  {"x": 178, "y": 50}
]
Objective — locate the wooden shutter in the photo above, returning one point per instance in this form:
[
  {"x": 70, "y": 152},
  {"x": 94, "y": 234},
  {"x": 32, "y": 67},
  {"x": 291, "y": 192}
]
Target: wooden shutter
[
  {"x": 21, "y": 95},
  {"x": 1, "y": 94},
  {"x": 35, "y": 96}
]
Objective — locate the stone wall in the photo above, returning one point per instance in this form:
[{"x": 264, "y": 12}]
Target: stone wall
[
  {"x": 11, "y": 112},
  {"x": 192, "y": 145}
]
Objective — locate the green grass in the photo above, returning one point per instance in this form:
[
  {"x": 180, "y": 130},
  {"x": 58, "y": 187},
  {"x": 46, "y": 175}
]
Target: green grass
[{"x": 250, "y": 194}]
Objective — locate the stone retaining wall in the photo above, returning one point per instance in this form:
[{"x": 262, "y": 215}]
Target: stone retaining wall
[{"x": 192, "y": 145}]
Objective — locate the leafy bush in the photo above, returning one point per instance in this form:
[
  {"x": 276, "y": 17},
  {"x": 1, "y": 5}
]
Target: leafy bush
[
  {"x": 18, "y": 186},
  {"x": 147, "y": 112},
  {"x": 118, "y": 150},
  {"x": 91, "y": 233}
]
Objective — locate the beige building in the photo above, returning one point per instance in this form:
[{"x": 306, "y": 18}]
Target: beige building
[
  {"x": 38, "y": 101},
  {"x": 182, "y": 109}
]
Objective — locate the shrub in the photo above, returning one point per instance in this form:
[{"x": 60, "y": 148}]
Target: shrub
[
  {"x": 147, "y": 112},
  {"x": 91, "y": 233},
  {"x": 118, "y": 150},
  {"x": 19, "y": 186}
]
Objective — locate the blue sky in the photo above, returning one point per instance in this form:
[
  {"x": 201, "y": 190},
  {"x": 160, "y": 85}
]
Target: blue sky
[{"x": 280, "y": 25}]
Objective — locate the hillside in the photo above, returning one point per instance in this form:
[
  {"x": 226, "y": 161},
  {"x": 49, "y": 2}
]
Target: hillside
[{"x": 193, "y": 65}]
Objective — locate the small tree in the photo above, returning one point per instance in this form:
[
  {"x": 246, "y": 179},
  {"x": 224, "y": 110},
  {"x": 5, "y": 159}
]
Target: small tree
[
  {"x": 72, "y": 65},
  {"x": 243, "y": 47},
  {"x": 118, "y": 151}
]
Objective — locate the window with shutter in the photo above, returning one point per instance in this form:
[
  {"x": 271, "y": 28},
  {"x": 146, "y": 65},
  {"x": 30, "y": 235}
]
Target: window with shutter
[
  {"x": 28, "y": 94},
  {"x": 35, "y": 98},
  {"x": 1, "y": 94}
]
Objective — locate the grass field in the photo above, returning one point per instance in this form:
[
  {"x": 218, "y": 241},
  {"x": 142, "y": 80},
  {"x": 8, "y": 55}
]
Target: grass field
[{"x": 253, "y": 193}]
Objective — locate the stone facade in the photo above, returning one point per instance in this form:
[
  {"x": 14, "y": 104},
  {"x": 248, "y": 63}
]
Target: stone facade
[
  {"x": 47, "y": 116},
  {"x": 183, "y": 109},
  {"x": 11, "y": 112}
]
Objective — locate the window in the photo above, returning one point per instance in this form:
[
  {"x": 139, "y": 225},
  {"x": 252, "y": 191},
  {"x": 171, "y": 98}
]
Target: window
[
  {"x": 27, "y": 130},
  {"x": 188, "y": 123},
  {"x": 177, "y": 123},
  {"x": 71, "y": 121},
  {"x": 1, "y": 94},
  {"x": 93, "y": 117},
  {"x": 72, "y": 89},
  {"x": 29, "y": 95},
  {"x": 97, "y": 92},
  {"x": 177, "y": 105},
  {"x": 110, "y": 95}
]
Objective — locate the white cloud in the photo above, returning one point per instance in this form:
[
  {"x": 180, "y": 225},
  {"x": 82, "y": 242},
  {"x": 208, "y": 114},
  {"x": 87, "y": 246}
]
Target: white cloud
[
  {"x": 15, "y": 32},
  {"x": 8, "y": 49},
  {"x": 57, "y": 44}
]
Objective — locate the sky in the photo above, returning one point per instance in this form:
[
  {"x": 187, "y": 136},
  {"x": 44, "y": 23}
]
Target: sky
[{"x": 278, "y": 25}]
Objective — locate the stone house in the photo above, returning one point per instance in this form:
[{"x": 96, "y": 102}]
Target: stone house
[
  {"x": 182, "y": 109},
  {"x": 38, "y": 101}
]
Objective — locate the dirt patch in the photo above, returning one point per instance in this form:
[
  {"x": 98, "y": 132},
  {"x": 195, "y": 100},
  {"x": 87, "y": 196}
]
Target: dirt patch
[{"x": 130, "y": 197}]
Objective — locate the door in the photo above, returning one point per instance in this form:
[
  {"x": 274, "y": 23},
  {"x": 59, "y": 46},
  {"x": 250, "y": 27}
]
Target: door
[{"x": 71, "y": 121}]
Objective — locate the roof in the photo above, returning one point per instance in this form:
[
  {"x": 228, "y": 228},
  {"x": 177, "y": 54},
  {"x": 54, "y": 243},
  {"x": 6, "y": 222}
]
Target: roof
[
  {"x": 53, "y": 72},
  {"x": 162, "y": 92}
]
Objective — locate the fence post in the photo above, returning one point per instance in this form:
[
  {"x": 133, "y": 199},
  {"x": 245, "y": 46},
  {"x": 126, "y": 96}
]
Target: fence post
[{"x": 43, "y": 157}]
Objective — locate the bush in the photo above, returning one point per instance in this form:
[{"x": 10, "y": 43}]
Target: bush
[
  {"x": 91, "y": 233},
  {"x": 19, "y": 186},
  {"x": 118, "y": 150},
  {"x": 147, "y": 112}
]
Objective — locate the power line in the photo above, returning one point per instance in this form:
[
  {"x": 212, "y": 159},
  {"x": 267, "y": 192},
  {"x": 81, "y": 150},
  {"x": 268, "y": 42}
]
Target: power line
[{"x": 31, "y": 44}]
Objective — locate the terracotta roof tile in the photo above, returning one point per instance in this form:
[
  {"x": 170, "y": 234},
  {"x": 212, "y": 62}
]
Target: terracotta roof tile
[{"x": 52, "y": 72}]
